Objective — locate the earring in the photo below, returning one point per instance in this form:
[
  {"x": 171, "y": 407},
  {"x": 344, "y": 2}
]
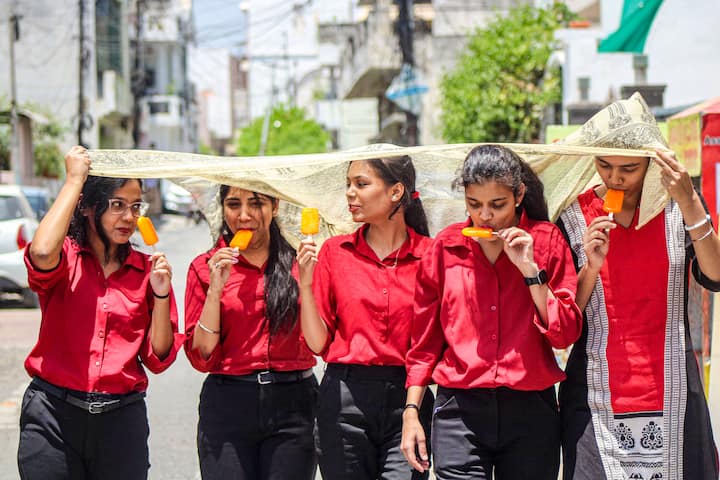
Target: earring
[{"x": 517, "y": 205}]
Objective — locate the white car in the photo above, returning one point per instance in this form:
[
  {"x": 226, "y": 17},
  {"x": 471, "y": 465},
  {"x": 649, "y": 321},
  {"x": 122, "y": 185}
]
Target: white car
[{"x": 17, "y": 227}]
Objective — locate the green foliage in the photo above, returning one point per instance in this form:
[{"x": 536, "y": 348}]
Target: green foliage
[
  {"x": 502, "y": 84},
  {"x": 206, "y": 149},
  {"x": 48, "y": 159},
  {"x": 4, "y": 148},
  {"x": 289, "y": 133}
]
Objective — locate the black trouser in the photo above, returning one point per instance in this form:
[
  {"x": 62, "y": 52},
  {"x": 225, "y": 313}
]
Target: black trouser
[
  {"x": 360, "y": 423},
  {"x": 60, "y": 441},
  {"x": 257, "y": 431},
  {"x": 515, "y": 433}
]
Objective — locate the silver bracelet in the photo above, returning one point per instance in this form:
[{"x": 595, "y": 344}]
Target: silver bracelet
[
  {"x": 707, "y": 234},
  {"x": 699, "y": 224},
  {"x": 206, "y": 329}
]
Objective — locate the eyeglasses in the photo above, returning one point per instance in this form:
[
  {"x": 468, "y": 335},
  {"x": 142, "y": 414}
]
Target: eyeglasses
[{"x": 119, "y": 207}]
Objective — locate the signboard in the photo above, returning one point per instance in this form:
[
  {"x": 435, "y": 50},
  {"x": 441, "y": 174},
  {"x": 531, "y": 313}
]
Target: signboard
[
  {"x": 684, "y": 140},
  {"x": 710, "y": 136}
]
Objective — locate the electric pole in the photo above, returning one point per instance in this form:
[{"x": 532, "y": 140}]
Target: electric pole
[
  {"x": 138, "y": 75},
  {"x": 406, "y": 27},
  {"x": 16, "y": 164},
  {"x": 82, "y": 66}
]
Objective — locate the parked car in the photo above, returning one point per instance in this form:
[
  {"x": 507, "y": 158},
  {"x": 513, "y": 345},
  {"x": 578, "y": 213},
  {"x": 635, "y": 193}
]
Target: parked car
[
  {"x": 176, "y": 199},
  {"x": 17, "y": 227},
  {"x": 39, "y": 199}
]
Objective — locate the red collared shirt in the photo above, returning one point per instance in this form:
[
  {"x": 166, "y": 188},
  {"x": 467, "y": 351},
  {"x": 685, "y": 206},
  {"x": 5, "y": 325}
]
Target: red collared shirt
[
  {"x": 245, "y": 343},
  {"x": 95, "y": 332},
  {"x": 476, "y": 325},
  {"x": 367, "y": 303}
]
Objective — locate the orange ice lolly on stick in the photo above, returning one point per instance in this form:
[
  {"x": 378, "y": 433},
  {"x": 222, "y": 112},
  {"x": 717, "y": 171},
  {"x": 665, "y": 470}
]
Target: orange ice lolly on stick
[
  {"x": 310, "y": 222},
  {"x": 478, "y": 232},
  {"x": 147, "y": 230},
  {"x": 241, "y": 240},
  {"x": 613, "y": 202}
]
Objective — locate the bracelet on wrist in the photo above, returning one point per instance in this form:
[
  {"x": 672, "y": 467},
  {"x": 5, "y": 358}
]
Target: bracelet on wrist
[
  {"x": 702, "y": 222},
  {"x": 705, "y": 235},
  {"x": 411, "y": 406},
  {"x": 208, "y": 330},
  {"x": 161, "y": 296}
]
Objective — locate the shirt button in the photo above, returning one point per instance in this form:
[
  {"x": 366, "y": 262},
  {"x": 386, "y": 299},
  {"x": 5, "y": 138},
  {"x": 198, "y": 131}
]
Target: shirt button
[
  {"x": 494, "y": 337},
  {"x": 101, "y": 334},
  {"x": 105, "y": 307},
  {"x": 385, "y": 291},
  {"x": 97, "y": 364},
  {"x": 493, "y": 308}
]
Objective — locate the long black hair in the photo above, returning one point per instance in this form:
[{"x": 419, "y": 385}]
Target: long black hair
[
  {"x": 96, "y": 193},
  {"x": 281, "y": 288},
  {"x": 496, "y": 163},
  {"x": 401, "y": 169}
]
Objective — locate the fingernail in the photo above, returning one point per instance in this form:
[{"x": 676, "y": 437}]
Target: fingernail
[{"x": 234, "y": 260}]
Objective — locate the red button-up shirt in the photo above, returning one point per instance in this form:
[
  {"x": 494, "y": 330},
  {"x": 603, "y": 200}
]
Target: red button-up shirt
[
  {"x": 95, "y": 332},
  {"x": 366, "y": 302},
  {"x": 245, "y": 343},
  {"x": 476, "y": 325}
]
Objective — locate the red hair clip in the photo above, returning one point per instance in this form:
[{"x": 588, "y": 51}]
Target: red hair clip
[{"x": 415, "y": 195}]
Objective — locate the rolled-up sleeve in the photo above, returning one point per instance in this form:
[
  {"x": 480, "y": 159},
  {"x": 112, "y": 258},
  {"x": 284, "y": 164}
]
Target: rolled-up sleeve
[
  {"x": 195, "y": 295},
  {"x": 148, "y": 356},
  {"x": 427, "y": 340},
  {"x": 564, "y": 323}
]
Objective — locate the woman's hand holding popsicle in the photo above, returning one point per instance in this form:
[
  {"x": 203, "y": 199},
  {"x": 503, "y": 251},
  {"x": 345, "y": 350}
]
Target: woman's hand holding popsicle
[
  {"x": 160, "y": 275},
  {"x": 596, "y": 241},
  {"x": 518, "y": 246},
  {"x": 306, "y": 258}
]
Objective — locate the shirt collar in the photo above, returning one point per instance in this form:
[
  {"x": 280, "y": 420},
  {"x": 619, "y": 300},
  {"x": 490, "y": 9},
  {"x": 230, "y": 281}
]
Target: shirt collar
[
  {"x": 135, "y": 259},
  {"x": 413, "y": 246}
]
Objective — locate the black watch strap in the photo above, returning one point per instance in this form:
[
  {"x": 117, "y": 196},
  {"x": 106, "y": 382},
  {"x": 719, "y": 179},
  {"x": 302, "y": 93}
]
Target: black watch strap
[{"x": 540, "y": 279}]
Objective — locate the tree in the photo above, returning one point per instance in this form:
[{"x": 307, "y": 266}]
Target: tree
[
  {"x": 502, "y": 82},
  {"x": 289, "y": 133}
]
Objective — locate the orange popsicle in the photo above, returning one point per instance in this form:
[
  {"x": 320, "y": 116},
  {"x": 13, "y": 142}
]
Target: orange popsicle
[
  {"x": 147, "y": 230},
  {"x": 478, "y": 232},
  {"x": 241, "y": 240},
  {"x": 310, "y": 221},
  {"x": 613, "y": 201}
]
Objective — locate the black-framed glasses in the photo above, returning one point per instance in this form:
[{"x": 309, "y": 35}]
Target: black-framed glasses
[{"x": 117, "y": 206}]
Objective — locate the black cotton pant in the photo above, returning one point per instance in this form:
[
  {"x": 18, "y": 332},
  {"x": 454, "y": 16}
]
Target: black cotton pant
[
  {"x": 360, "y": 423},
  {"x": 515, "y": 434},
  {"x": 257, "y": 432},
  {"x": 59, "y": 441}
]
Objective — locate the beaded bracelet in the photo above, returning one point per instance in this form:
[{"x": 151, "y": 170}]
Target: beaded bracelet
[{"x": 699, "y": 224}]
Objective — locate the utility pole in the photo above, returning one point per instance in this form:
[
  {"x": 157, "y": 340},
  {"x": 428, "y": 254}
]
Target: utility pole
[
  {"x": 82, "y": 64},
  {"x": 16, "y": 164},
  {"x": 406, "y": 27},
  {"x": 138, "y": 75}
]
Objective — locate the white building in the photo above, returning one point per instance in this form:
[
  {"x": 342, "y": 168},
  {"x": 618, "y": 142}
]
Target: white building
[
  {"x": 168, "y": 120},
  {"x": 681, "y": 49},
  {"x": 47, "y": 66}
]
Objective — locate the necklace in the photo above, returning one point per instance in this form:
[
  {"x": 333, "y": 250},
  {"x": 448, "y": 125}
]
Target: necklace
[{"x": 396, "y": 257}]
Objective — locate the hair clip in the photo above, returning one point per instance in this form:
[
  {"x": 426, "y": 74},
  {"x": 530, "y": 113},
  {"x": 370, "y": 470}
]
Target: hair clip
[{"x": 415, "y": 195}]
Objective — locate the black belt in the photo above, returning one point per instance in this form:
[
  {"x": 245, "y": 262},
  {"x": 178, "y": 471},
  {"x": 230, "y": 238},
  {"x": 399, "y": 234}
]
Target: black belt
[
  {"x": 93, "y": 403},
  {"x": 266, "y": 377},
  {"x": 380, "y": 373}
]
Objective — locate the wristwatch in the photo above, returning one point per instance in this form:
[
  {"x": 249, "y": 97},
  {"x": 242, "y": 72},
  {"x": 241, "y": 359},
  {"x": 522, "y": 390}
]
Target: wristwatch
[{"x": 540, "y": 279}]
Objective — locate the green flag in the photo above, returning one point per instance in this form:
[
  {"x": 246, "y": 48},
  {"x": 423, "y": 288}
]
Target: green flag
[{"x": 637, "y": 17}]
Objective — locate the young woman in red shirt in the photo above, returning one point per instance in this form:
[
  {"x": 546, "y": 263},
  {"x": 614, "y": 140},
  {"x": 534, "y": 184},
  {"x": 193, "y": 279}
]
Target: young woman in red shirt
[
  {"x": 257, "y": 406},
  {"x": 487, "y": 312},
  {"x": 356, "y": 312},
  {"x": 107, "y": 311}
]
